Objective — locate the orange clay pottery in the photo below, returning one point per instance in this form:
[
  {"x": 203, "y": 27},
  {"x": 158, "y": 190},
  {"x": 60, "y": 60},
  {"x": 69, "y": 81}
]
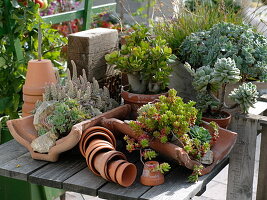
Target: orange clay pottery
[
  {"x": 32, "y": 99},
  {"x": 90, "y": 156},
  {"x": 126, "y": 174},
  {"x": 222, "y": 122},
  {"x": 98, "y": 135},
  {"x": 112, "y": 168},
  {"x": 137, "y": 100},
  {"x": 92, "y": 130},
  {"x": 39, "y": 73},
  {"x": 150, "y": 177},
  {"x": 28, "y": 107}
]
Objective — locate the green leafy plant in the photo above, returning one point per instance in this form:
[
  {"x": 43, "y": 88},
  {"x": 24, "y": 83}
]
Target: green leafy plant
[
  {"x": 225, "y": 40},
  {"x": 145, "y": 60},
  {"x": 208, "y": 81},
  {"x": 186, "y": 22},
  {"x": 170, "y": 118},
  {"x": 196, "y": 173}
]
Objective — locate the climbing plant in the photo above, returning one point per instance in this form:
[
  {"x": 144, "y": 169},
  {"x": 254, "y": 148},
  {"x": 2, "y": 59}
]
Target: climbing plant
[{"x": 18, "y": 44}]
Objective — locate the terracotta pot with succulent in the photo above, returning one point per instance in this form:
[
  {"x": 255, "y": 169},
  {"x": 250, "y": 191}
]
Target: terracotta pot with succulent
[
  {"x": 57, "y": 123},
  {"x": 209, "y": 81},
  {"x": 171, "y": 128},
  {"x": 40, "y": 72},
  {"x": 145, "y": 61}
]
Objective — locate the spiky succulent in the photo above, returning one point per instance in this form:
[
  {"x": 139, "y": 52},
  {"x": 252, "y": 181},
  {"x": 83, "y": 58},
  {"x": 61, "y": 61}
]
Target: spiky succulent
[{"x": 246, "y": 95}]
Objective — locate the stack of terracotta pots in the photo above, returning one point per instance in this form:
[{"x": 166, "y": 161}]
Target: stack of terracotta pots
[
  {"x": 39, "y": 73},
  {"x": 97, "y": 145}
]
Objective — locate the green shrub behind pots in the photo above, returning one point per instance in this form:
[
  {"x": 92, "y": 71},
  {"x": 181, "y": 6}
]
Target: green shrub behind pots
[
  {"x": 145, "y": 60},
  {"x": 224, "y": 40}
]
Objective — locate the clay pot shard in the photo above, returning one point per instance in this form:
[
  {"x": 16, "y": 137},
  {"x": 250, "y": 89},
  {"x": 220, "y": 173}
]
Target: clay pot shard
[{"x": 150, "y": 177}]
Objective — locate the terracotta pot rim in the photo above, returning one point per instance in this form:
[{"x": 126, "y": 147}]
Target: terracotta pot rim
[
  {"x": 125, "y": 92},
  {"x": 218, "y": 119},
  {"x": 120, "y": 176},
  {"x": 112, "y": 171}
]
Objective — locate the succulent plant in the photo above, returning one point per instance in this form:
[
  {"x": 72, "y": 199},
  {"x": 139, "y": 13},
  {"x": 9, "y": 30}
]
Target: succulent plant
[
  {"x": 200, "y": 133},
  {"x": 246, "y": 95},
  {"x": 93, "y": 98},
  {"x": 145, "y": 60},
  {"x": 224, "y": 40},
  {"x": 208, "y": 81}
]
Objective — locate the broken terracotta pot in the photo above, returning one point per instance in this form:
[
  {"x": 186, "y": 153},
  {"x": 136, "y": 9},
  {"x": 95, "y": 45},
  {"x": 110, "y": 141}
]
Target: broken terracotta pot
[
  {"x": 150, "y": 177},
  {"x": 220, "y": 150},
  {"x": 24, "y": 132},
  {"x": 137, "y": 100}
]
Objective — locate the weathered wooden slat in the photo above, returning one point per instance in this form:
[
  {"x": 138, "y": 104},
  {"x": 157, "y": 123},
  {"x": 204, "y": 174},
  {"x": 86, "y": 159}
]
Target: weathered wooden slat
[
  {"x": 177, "y": 187},
  {"x": 21, "y": 167},
  {"x": 262, "y": 176},
  {"x": 114, "y": 191},
  {"x": 258, "y": 108},
  {"x": 84, "y": 182},
  {"x": 11, "y": 150},
  {"x": 242, "y": 158},
  {"x": 54, "y": 174}
]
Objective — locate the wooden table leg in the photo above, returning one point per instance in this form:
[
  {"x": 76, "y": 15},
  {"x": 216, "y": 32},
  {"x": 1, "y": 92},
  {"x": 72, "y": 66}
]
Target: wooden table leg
[
  {"x": 262, "y": 177},
  {"x": 242, "y": 158}
]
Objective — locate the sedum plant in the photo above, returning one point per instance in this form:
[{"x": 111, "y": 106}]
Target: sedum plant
[
  {"x": 208, "y": 81},
  {"x": 225, "y": 40},
  {"x": 145, "y": 60}
]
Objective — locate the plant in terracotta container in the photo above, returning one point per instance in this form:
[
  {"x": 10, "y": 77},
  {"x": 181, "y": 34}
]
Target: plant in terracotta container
[
  {"x": 172, "y": 120},
  {"x": 209, "y": 81},
  {"x": 145, "y": 61}
]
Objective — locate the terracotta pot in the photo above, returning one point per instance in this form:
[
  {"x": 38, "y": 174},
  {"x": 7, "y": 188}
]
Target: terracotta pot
[
  {"x": 39, "y": 73},
  {"x": 112, "y": 168},
  {"x": 115, "y": 156},
  {"x": 32, "y": 99},
  {"x": 26, "y": 114},
  {"x": 104, "y": 137},
  {"x": 149, "y": 177},
  {"x": 91, "y": 148},
  {"x": 126, "y": 174},
  {"x": 90, "y": 157},
  {"x": 220, "y": 149},
  {"x": 137, "y": 100},
  {"x": 28, "y": 107},
  {"x": 223, "y": 122},
  {"x": 24, "y": 133},
  {"x": 109, "y": 135}
]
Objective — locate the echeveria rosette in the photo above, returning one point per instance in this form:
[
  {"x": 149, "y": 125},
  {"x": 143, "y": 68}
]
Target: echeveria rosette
[
  {"x": 225, "y": 71},
  {"x": 245, "y": 95},
  {"x": 247, "y": 48}
]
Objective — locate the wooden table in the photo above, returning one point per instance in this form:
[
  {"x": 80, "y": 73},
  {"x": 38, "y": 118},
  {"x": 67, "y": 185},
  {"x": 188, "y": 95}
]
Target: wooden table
[{"x": 70, "y": 173}]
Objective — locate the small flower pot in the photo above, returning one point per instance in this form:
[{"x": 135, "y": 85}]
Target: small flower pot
[
  {"x": 126, "y": 174},
  {"x": 150, "y": 177},
  {"x": 28, "y": 107},
  {"x": 39, "y": 74},
  {"x": 222, "y": 122},
  {"x": 137, "y": 100},
  {"x": 112, "y": 169}
]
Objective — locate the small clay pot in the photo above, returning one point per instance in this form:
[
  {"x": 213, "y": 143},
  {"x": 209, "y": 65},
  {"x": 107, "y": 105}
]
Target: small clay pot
[
  {"x": 25, "y": 114},
  {"x": 112, "y": 168},
  {"x": 28, "y": 107},
  {"x": 98, "y": 135},
  {"x": 90, "y": 159},
  {"x": 32, "y": 99},
  {"x": 39, "y": 74},
  {"x": 222, "y": 122},
  {"x": 149, "y": 177},
  {"x": 137, "y": 100},
  {"x": 126, "y": 174}
]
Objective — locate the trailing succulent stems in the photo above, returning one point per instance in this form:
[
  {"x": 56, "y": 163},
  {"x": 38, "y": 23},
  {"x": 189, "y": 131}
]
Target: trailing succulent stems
[
  {"x": 145, "y": 61},
  {"x": 168, "y": 120},
  {"x": 210, "y": 80}
]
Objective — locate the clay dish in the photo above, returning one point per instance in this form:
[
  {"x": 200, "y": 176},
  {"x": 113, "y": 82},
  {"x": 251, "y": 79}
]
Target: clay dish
[
  {"x": 126, "y": 174},
  {"x": 112, "y": 168}
]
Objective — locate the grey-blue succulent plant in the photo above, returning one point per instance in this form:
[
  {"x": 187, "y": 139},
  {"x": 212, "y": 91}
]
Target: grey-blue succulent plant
[{"x": 247, "y": 48}]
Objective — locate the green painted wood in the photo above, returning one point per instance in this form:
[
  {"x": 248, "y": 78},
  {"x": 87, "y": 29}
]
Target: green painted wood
[
  {"x": 87, "y": 14},
  {"x": 77, "y": 14}
]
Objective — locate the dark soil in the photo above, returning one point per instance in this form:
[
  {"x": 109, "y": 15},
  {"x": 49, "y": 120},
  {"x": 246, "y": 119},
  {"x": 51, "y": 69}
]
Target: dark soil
[{"x": 215, "y": 115}]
